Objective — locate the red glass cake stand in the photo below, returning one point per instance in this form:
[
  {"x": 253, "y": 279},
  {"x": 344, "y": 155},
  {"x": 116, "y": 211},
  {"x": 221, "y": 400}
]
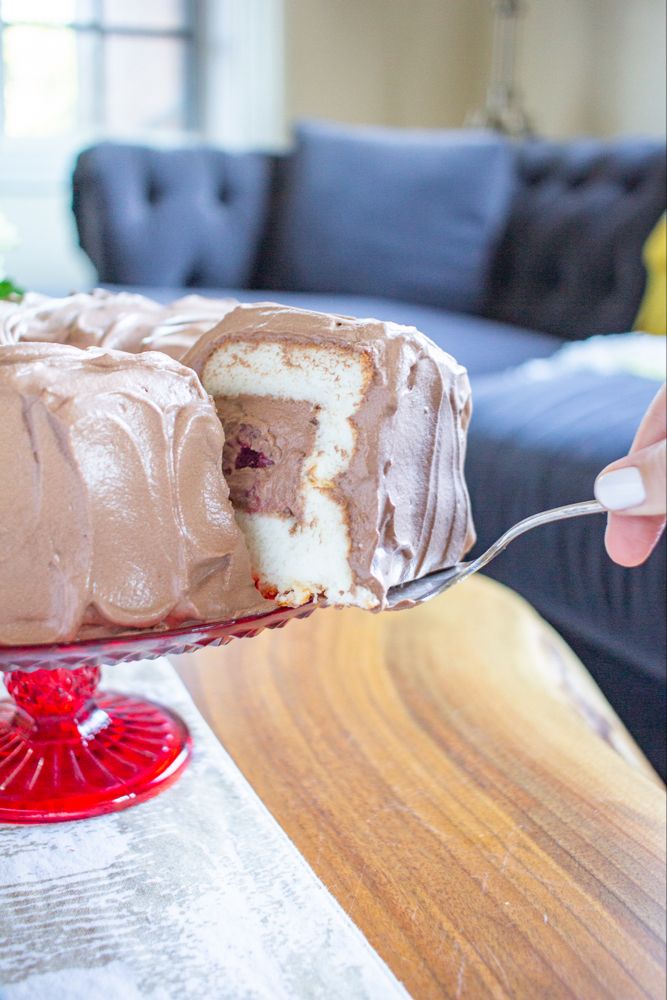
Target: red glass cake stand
[{"x": 69, "y": 753}]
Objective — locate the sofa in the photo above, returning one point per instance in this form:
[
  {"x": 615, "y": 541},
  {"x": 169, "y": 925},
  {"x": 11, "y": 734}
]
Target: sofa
[{"x": 501, "y": 252}]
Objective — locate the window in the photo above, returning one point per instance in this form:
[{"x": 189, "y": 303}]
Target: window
[{"x": 116, "y": 66}]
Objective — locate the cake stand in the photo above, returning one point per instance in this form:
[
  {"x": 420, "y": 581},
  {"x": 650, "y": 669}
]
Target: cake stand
[{"x": 67, "y": 752}]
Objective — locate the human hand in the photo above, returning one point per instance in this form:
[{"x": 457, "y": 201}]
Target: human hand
[{"x": 634, "y": 490}]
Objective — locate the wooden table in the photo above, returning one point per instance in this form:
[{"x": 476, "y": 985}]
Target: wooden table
[{"x": 456, "y": 779}]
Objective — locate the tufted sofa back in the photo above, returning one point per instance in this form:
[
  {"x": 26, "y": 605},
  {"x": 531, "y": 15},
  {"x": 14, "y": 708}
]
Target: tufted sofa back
[
  {"x": 570, "y": 261},
  {"x": 171, "y": 217},
  {"x": 565, "y": 223}
]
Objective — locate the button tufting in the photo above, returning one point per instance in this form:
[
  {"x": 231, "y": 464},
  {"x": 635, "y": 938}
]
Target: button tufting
[
  {"x": 535, "y": 176},
  {"x": 631, "y": 182},
  {"x": 194, "y": 279},
  {"x": 607, "y": 283},
  {"x": 550, "y": 280},
  {"x": 153, "y": 193}
]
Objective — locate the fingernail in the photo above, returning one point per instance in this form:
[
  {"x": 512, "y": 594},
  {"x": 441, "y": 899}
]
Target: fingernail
[{"x": 621, "y": 489}]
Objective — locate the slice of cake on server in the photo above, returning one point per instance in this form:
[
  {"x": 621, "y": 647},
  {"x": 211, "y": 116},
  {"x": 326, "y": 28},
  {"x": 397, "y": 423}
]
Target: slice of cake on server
[{"x": 344, "y": 450}]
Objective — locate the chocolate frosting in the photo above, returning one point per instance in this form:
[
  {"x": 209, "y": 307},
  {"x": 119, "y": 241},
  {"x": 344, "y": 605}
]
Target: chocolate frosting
[
  {"x": 120, "y": 320},
  {"x": 113, "y": 511},
  {"x": 404, "y": 494}
]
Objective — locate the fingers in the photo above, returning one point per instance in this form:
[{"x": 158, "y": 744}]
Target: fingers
[
  {"x": 654, "y": 424},
  {"x": 630, "y": 540},
  {"x": 635, "y": 491},
  {"x": 637, "y": 484}
]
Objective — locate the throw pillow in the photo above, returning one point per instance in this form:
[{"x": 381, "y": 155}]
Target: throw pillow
[
  {"x": 397, "y": 213},
  {"x": 652, "y": 316}
]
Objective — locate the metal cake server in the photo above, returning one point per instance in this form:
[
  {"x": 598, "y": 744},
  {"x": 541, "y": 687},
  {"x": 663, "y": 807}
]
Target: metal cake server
[{"x": 417, "y": 591}]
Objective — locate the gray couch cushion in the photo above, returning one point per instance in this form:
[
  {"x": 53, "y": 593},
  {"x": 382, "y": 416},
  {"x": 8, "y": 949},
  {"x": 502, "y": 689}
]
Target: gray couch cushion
[
  {"x": 570, "y": 262},
  {"x": 535, "y": 444},
  {"x": 480, "y": 344},
  {"x": 180, "y": 217},
  {"x": 409, "y": 215}
]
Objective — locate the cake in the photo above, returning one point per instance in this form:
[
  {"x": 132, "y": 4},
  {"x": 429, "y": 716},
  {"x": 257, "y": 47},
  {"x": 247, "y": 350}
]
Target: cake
[
  {"x": 120, "y": 320},
  {"x": 113, "y": 510},
  {"x": 344, "y": 450},
  {"x": 292, "y": 456}
]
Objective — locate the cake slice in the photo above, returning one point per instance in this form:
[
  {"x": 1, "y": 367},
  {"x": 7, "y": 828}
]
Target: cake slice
[{"x": 344, "y": 450}]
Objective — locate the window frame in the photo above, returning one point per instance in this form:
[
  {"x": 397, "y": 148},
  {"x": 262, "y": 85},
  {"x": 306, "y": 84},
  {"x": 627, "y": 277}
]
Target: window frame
[{"x": 190, "y": 33}]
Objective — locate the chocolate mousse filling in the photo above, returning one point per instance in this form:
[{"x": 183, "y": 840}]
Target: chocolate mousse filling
[{"x": 267, "y": 441}]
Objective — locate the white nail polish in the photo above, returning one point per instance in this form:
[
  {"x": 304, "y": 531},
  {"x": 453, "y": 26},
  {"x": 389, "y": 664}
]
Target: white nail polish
[{"x": 621, "y": 489}]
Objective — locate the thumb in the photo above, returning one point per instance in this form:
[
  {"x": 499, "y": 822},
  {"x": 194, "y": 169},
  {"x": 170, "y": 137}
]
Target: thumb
[{"x": 636, "y": 484}]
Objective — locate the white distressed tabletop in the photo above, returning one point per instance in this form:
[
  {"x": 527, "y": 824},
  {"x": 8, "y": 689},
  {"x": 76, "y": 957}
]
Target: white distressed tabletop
[{"x": 197, "y": 893}]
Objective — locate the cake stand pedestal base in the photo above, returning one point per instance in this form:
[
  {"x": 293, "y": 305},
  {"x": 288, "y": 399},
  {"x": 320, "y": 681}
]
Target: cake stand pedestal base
[{"x": 67, "y": 753}]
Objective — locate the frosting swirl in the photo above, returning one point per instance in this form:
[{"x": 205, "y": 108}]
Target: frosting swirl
[
  {"x": 123, "y": 321},
  {"x": 113, "y": 510}
]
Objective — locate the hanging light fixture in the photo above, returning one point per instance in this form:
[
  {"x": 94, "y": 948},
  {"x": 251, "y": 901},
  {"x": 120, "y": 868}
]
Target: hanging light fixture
[{"x": 502, "y": 109}]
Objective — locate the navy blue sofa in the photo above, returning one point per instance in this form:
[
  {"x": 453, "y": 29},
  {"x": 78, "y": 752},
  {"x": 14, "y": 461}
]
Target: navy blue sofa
[{"x": 500, "y": 252}]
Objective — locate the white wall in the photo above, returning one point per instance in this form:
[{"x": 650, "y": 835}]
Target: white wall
[
  {"x": 627, "y": 73},
  {"x": 394, "y": 62},
  {"x": 584, "y": 66},
  {"x": 594, "y": 66},
  {"x": 553, "y": 66}
]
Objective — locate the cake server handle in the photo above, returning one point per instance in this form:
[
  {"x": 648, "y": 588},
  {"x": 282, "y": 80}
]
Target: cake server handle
[{"x": 413, "y": 592}]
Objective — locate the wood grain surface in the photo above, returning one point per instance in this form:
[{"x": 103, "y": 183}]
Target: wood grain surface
[{"x": 455, "y": 778}]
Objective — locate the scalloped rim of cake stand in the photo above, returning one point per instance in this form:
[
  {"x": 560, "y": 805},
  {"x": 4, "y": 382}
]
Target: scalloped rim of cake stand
[{"x": 148, "y": 644}]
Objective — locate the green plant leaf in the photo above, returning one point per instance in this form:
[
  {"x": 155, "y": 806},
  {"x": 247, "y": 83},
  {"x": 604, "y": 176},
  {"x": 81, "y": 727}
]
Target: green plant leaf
[{"x": 8, "y": 290}]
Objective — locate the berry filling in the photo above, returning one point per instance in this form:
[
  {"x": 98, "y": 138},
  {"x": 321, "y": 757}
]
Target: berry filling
[{"x": 248, "y": 458}]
